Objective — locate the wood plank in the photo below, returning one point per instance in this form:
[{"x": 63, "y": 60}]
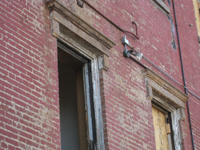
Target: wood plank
[
  {"x": 81, "y": 111},
  {"x": 168, "y": 130},
  {"x": 197, "y": 16},
  {"x": 160, "y": 130},
  {"x": 163, "y": 6}
]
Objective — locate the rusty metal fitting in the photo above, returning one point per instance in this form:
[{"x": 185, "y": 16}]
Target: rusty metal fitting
[{"x": 80, "y": 3}]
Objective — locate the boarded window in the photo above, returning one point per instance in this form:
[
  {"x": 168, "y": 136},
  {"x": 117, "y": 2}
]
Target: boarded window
[
  {"x": 197, "y": 15},
  {"x": 163, "y": 140}
]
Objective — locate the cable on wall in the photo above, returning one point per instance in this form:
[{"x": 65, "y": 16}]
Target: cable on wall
[
  {"x": 126, "y": 44},
  {"x": 80, "y": 4}
]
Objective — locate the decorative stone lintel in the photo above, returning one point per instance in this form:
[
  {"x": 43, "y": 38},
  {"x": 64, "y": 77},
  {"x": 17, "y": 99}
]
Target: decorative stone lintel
[
  {"x": 156, "y": 84},
  {"x": 66, "y": 24}
]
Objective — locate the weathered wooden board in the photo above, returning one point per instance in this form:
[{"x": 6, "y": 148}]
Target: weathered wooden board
[
  {"x": 160, "y": 129},
  {"x": 81, "y": 111}
]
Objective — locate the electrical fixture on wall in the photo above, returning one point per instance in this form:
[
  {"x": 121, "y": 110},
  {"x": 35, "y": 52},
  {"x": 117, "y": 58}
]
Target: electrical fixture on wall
[
  {"x": 136, "y": 54},
  {"x": 139, "y": 56},
  {"x": 128, "y": 52}
]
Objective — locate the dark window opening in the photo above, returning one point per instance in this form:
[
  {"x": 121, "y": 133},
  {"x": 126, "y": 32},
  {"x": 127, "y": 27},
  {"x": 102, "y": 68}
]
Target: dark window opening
[{"x": 72, "y": 104}]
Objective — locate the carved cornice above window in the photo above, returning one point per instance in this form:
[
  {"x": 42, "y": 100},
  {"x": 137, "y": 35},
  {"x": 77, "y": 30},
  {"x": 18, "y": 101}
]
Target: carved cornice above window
[
  {"x": 156, "y": 84},
  {"x": 67, "y": 26}
]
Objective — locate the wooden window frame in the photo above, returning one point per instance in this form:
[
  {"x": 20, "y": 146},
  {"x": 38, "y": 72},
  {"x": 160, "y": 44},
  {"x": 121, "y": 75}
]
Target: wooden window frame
[
  {"x": 175, "y": 117},
  {"x": 88, "y": 91},
  {"x": 165, "y": 95},
  {"x": 77, "y": 34},
  {"x": 91, "y": 83},
  {"x": 162, "y": 6}
]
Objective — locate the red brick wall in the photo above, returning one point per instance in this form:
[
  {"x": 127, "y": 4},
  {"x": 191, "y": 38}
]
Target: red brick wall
[
  {"x": 28, "y": 77},
  {"x": 29, "y": 83},
  {"x": 191, "y": 58}
]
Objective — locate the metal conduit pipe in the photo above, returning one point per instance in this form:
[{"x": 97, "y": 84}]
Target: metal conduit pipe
[
  {"x": 182, "y": 68},
  {"x": 193, "y": 94},
  {"x": 170, "y": 77},
  {"x": 139, "y": 63},
  {"x": 145, "y": 58}
]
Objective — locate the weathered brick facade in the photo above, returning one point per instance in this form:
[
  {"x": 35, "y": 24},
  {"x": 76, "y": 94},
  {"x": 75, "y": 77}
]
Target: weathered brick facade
[{"x": 29, "y": 90}]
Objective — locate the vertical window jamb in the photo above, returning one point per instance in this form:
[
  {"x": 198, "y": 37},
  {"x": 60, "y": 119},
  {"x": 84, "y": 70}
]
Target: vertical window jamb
[
  {"x": 92, "y": 104},
  {"x": 89, "y": 105}
]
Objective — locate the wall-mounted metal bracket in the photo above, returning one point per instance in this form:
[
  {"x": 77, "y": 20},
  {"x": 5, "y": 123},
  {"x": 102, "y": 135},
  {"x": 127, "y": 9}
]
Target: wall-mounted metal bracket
[
  {"x": 127, "y": 52},
  {"x": 124, "y": 40}
]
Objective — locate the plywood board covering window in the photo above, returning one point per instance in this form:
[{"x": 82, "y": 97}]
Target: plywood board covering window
[
  {"x": 197, "y": 15},
  {"x": 159, "y": 122},
  {"x": 168, "y": 112}
]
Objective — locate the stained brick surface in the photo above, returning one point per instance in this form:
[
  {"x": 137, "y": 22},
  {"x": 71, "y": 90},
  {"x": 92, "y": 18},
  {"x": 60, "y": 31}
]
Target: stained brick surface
[
  {"x": 29, "y": 101},
  {"x": 29, "y": 89}
]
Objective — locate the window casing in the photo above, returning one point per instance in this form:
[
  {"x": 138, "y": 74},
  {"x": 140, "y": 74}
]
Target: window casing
[
  {"x": 76, "y": 33},
  {"x": 166, "y": 96},
  {"x": 175, "y": 115}
]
